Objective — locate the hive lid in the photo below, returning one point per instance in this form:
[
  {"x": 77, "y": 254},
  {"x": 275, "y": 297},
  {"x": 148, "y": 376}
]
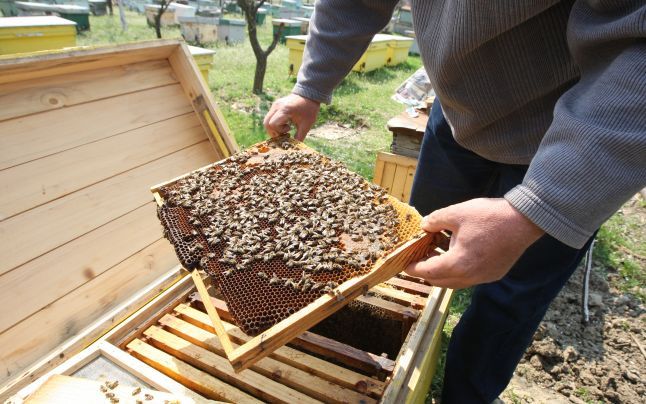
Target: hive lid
[
  {"x": 35, "y": 21},
  {"x": 84, "y": 134}
]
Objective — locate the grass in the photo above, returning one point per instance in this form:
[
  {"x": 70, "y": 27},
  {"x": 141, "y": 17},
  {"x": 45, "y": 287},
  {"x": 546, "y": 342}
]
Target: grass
[
  {"x": 362, "y": 101},
  {"x": 621, "y": 247}
]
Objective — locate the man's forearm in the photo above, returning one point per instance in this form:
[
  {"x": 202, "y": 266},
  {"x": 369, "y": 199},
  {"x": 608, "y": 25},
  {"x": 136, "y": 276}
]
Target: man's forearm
[
  {"x": 340, "y": 31},
  {"x": 593, "y": 157}
]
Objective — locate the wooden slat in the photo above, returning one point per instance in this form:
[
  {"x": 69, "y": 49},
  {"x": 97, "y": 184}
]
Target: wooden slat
[
  {"x": 53, "y": 275},
  {"x": 31, "y": 96},
  {"x": 29, "y": 185},
  {"x": 195, "y": 89},
  {"x": 33, "y": 337},
  {"x": 388, "y": 176},
  {"x": 249, "y": 381},
  {"x": 390, "y": 309},
  {"x": 55, "y": 63},
  {"x": 412, "y": 345},
  {"x": 309, "y": 363},
  {"x": 329, "y": 348},
  {"x": 378, "y": 175},
  {"x": 410, "y": 287},
  {"x": 408, "y": 185},
  {"x": 46, "y": 133},
  {"x": 300, "y": 380},
  {"x": 187, "y": 375},
  {"x": 399, "y": 180},
  {"x": 48, "y": 226},
  {"x": 400, "y": 296}
]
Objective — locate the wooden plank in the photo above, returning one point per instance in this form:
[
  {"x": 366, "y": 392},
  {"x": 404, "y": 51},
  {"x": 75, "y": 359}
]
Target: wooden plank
[
  {"x": 33, "y": 337},
  {"x": 378, "y": 175},
  {"x": 298, "y": 359},
  {"x": 399, "y": 180},
  {"x": 53, "y": 275},
  {"x": 388, "y": 177},
  {"x": 397, "y": 159},
  {"x": 327, "y": 347},
  {"x": 192, "y": 378},
  {"x": 194, "y": 87},
  {"x": 47, "y": 133},
  {"x": 281, "y": 333},
  {"x": 390, "y": 309},
  {"x": 413, "y": 343},
  {"x": 96, "y": 329},
  {"x": 408, "y": 185},
  {"x": 400, "y": 296},
  {"x": 300, "y": 380},
  {"x": 48, "y": 226},
  {"x": 82, "y": 59},
  {"x": 410, "y": 287},
  {"x": 249, "y": 381},
  {"x": 422, "y": 369},
  {"x": 40, "y": 181},
  {"x": 32, "y": 96},
  {"x": 147, "y": 373},
  {"x": 218, "y": 327}
]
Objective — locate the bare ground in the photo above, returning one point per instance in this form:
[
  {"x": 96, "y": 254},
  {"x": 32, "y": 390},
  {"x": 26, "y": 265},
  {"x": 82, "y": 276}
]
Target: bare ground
[{"x": 602, "y": 361}]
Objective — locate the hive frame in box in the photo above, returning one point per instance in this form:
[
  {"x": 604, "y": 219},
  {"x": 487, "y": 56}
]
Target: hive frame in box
[{"x": 419, "y": 247}]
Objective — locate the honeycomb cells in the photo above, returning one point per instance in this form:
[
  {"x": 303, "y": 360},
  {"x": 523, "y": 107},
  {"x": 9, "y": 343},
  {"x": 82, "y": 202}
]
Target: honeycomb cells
[{"x": 256, "y": 303}]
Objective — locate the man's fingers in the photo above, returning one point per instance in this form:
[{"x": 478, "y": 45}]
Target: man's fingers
[
  {"x": 441, "y": 219},
  {"x": 279, "y": 123},
  {"x": 437, "y": 267},
  {"x": 301, "y": 131}
]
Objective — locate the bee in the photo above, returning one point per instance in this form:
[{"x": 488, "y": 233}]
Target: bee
[
  {"x": 227, "y": 273},
  {"x": 263, "y": 275},
  {"x": 274, "y": 279}
]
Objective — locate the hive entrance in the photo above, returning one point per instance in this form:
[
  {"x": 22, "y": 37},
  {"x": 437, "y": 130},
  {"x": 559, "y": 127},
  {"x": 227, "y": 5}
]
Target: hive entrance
[{"x": 278, "y": 226}]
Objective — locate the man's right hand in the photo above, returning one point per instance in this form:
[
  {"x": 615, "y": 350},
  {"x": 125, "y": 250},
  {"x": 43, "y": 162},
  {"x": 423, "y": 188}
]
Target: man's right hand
[{"x": 294, "y": 109}]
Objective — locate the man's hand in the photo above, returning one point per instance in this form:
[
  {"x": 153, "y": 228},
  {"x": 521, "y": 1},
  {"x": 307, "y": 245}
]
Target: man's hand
[
  {"x": 488, "y": 237},
  {"x": 291, "y": 109}
]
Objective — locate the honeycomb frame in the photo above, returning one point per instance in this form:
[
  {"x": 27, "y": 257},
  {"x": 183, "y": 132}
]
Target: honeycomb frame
[{"x": 412, "y": 245}]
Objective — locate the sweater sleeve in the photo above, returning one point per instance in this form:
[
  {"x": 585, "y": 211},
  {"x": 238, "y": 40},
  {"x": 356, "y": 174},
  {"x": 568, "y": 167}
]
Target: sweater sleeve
[
  {"x": 593, "y": 156},
  {"x": 340, "y": 31}
]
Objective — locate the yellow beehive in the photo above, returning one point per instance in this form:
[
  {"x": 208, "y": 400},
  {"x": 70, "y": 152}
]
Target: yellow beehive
[
  {"x": 32, "y": 34},
  {"x": 375, "y": 56},
  {"x": 398, "y": 48},
  {"x": 204, "y": 59},
  {"x": 296, "y": 45}
]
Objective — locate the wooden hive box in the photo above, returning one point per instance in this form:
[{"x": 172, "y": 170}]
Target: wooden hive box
[{"x": 89, "y": 287}]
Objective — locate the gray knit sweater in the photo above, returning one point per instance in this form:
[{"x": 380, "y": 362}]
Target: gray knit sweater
[{"x": 558, "y": 85}]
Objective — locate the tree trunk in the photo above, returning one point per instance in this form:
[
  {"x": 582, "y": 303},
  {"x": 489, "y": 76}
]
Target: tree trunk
[
  {"x": 158, "y": 25},
  {"x": 259, "y": 77},
  {"x": 122, "y": 16}
]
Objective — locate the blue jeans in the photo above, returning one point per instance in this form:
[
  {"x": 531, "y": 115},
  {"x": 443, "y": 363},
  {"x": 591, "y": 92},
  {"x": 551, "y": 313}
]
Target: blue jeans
[{"x": 498, "y": 325}]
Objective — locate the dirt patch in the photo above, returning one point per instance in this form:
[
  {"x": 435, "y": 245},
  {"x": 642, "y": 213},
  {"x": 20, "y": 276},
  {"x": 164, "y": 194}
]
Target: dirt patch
[
  {"x": 596, "y": 362},
  {"x": 334, "y": 131}
]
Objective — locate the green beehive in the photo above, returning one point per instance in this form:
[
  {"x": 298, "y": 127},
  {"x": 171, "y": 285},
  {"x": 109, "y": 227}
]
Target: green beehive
[{"x": 290, "y": 27}]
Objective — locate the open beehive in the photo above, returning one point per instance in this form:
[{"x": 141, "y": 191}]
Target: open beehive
[
  {"x": 278, "y": 227},
  {"x": 84, "y": 133}
]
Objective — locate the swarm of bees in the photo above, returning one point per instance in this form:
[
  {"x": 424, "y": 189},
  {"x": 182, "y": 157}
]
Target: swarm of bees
[{"x": 281, "y": 204}]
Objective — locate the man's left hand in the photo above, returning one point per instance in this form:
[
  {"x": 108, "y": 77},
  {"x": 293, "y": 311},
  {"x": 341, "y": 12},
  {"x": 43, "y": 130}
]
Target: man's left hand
[{"x": 488, "y": 237}]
